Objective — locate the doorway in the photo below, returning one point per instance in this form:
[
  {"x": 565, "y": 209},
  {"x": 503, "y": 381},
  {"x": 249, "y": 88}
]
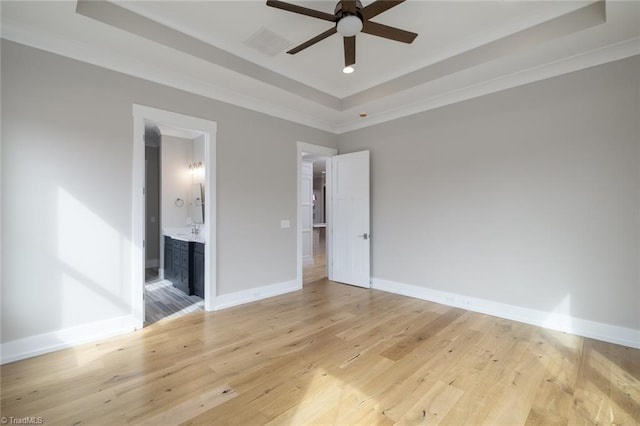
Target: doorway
[
  {"x": 145, "y": 116},
  {"x": 314, "y": 225},
  {"x": 314, "y": 238},
  {"x": 172, "y": 156}
]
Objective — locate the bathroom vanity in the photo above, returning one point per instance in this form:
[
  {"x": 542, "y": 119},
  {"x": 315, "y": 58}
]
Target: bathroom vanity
[{"x": 184, "y": 261}]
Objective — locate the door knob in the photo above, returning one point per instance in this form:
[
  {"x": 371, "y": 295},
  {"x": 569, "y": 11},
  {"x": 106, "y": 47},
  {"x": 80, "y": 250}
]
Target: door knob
[{"x": 365, "y": 236}]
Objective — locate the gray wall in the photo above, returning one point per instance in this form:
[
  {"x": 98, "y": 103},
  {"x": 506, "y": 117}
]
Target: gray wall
[
  {"x": 152, "y": 207},
  {"x": 66, "y": 185},
  {"x": 529, "y": 197},
  {"x": 176, "y": 155},
  {"x": 198, "y": 149}
]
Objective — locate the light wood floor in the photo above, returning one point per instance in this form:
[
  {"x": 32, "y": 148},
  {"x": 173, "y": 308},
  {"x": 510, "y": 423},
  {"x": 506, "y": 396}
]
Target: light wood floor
[
  {"x": 331, "y": 354},
  {"x": 318, "y": 270}
]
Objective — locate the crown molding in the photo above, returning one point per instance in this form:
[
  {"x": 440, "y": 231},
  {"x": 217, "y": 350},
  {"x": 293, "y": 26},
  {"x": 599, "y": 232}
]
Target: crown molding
[
  {"x": 573, "y": 15},
  {"x": 599, "y": 56},
  {"x": 37, "y": 38},
  {"x": 63, "y": 46}
]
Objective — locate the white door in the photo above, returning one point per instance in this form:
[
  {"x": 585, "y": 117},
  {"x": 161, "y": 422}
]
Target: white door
[{"x": 350, "y": 219}]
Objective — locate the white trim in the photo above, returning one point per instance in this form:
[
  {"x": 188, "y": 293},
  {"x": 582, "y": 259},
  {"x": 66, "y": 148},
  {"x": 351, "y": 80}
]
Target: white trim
[
  {"x": 321, "y": 151},
  {"x": 578, "y": 62},
  {"x": 178, "y": 133},
  {"x": 555, "y": 321},
  {"x": 209, "y": 129},
  {"x": 63, "y": 46},
  {"x": 253, "y": 294},
  {"x": 27, "y": 347}
]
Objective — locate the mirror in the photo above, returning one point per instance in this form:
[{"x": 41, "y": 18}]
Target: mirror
[{"x": 196, "y": 203}]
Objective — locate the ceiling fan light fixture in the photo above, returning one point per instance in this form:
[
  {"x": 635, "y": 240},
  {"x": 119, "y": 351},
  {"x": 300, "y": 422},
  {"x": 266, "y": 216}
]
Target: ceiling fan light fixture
[
  {"x": 349, "y": 26},
  {"x": 349, "y": 18}
]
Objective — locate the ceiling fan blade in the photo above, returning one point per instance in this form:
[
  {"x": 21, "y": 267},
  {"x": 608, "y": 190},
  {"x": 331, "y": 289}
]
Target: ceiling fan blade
[
  {"x": 349, "y": 51},
  {"x": 349, "y": 6},
  {"x": 301, "y": 10},
  {"x": 377, "y": 7},
  {"x": 386, "y": 31},
  {"x": 313, "y": 41}
]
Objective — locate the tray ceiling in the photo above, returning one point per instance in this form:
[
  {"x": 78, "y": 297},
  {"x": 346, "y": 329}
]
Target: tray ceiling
[{"x": 234, "y": 51}]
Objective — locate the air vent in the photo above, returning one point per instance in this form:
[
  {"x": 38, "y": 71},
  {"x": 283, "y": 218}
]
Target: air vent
[{"x": 267, "y": 42}]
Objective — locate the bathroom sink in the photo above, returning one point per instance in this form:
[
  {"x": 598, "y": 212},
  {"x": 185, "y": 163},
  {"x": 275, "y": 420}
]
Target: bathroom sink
[{"x": 183, "y": 234}]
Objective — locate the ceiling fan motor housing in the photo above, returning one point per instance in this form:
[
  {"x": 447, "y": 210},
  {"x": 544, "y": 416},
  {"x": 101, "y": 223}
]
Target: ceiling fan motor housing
[{"x": 340, "y": 14}]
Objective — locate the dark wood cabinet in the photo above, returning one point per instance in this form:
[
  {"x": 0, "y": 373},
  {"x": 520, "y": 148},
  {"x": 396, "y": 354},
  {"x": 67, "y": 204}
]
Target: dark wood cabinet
[
  {"x": 198, "y": 269},
  {"x": 181, "y": 254},
  {"x": 168, "y": 258},
  {"x": 184, "y": 265}
]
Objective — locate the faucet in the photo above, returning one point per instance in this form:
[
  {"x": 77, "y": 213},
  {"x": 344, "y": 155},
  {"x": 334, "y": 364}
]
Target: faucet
[{"x": 195, "y": 229}]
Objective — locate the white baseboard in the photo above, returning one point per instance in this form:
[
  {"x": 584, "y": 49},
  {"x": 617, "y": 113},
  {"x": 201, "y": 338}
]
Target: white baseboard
[
  {"x": 152, "y": 263},
  {"x": 254, "y": 294},
  {"x": 27, "y": 347},
  {"x": 555, "y": 321}
]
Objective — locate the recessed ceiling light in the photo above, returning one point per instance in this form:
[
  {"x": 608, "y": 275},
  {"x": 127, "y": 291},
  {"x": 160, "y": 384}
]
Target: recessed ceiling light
[
  {"x": 363, "y": 114},
  {"x": 348, "y": 70}
]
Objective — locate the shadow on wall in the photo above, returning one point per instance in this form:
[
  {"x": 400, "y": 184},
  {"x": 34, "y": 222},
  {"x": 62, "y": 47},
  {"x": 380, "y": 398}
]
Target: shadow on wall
[
  {"x": 86, "y": 282},
  {"x": 87, "y": 248}
]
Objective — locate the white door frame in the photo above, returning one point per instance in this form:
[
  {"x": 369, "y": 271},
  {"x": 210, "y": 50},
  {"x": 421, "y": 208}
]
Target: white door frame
[
  {"x": 209, "y": 129},
  {"x": 321, "y": 151}
]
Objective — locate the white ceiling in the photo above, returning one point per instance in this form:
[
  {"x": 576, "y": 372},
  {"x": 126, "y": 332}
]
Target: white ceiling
[{"x": 464, "y": 49}]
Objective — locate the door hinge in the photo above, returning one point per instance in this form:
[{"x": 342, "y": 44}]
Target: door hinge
[{"x": 143, "y": 243}]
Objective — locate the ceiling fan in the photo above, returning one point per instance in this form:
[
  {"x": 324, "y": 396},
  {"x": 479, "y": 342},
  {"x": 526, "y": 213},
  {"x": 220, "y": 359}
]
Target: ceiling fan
[{"x": 350, "y": 18}]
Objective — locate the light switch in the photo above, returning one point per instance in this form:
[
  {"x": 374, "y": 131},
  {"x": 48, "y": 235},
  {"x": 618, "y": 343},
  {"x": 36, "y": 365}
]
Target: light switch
[{"x": 285, "y": 224}]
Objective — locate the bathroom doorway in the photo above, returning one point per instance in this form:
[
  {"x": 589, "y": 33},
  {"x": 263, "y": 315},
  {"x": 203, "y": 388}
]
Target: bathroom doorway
[
  {"x": 174, "y": 211},
  {"x": 146, "y": 119}
]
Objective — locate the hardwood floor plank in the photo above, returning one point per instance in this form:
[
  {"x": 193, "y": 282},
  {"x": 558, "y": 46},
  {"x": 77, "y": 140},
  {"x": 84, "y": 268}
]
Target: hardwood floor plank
[
  {"x": 520, "y": 385},
  {"x": 331, "y": 354},
  {"x": 200, "y": 403},
  {"x": 433, "y": 406},
  {"x": 421, "y": 334},
  {"x": 317, "y": 270},
  {"x": 603, "y": 377},
  {"x": 479, "y": 374},
  {"x": 431, "y": 370},
  {"x": 555, "y": 393}
]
